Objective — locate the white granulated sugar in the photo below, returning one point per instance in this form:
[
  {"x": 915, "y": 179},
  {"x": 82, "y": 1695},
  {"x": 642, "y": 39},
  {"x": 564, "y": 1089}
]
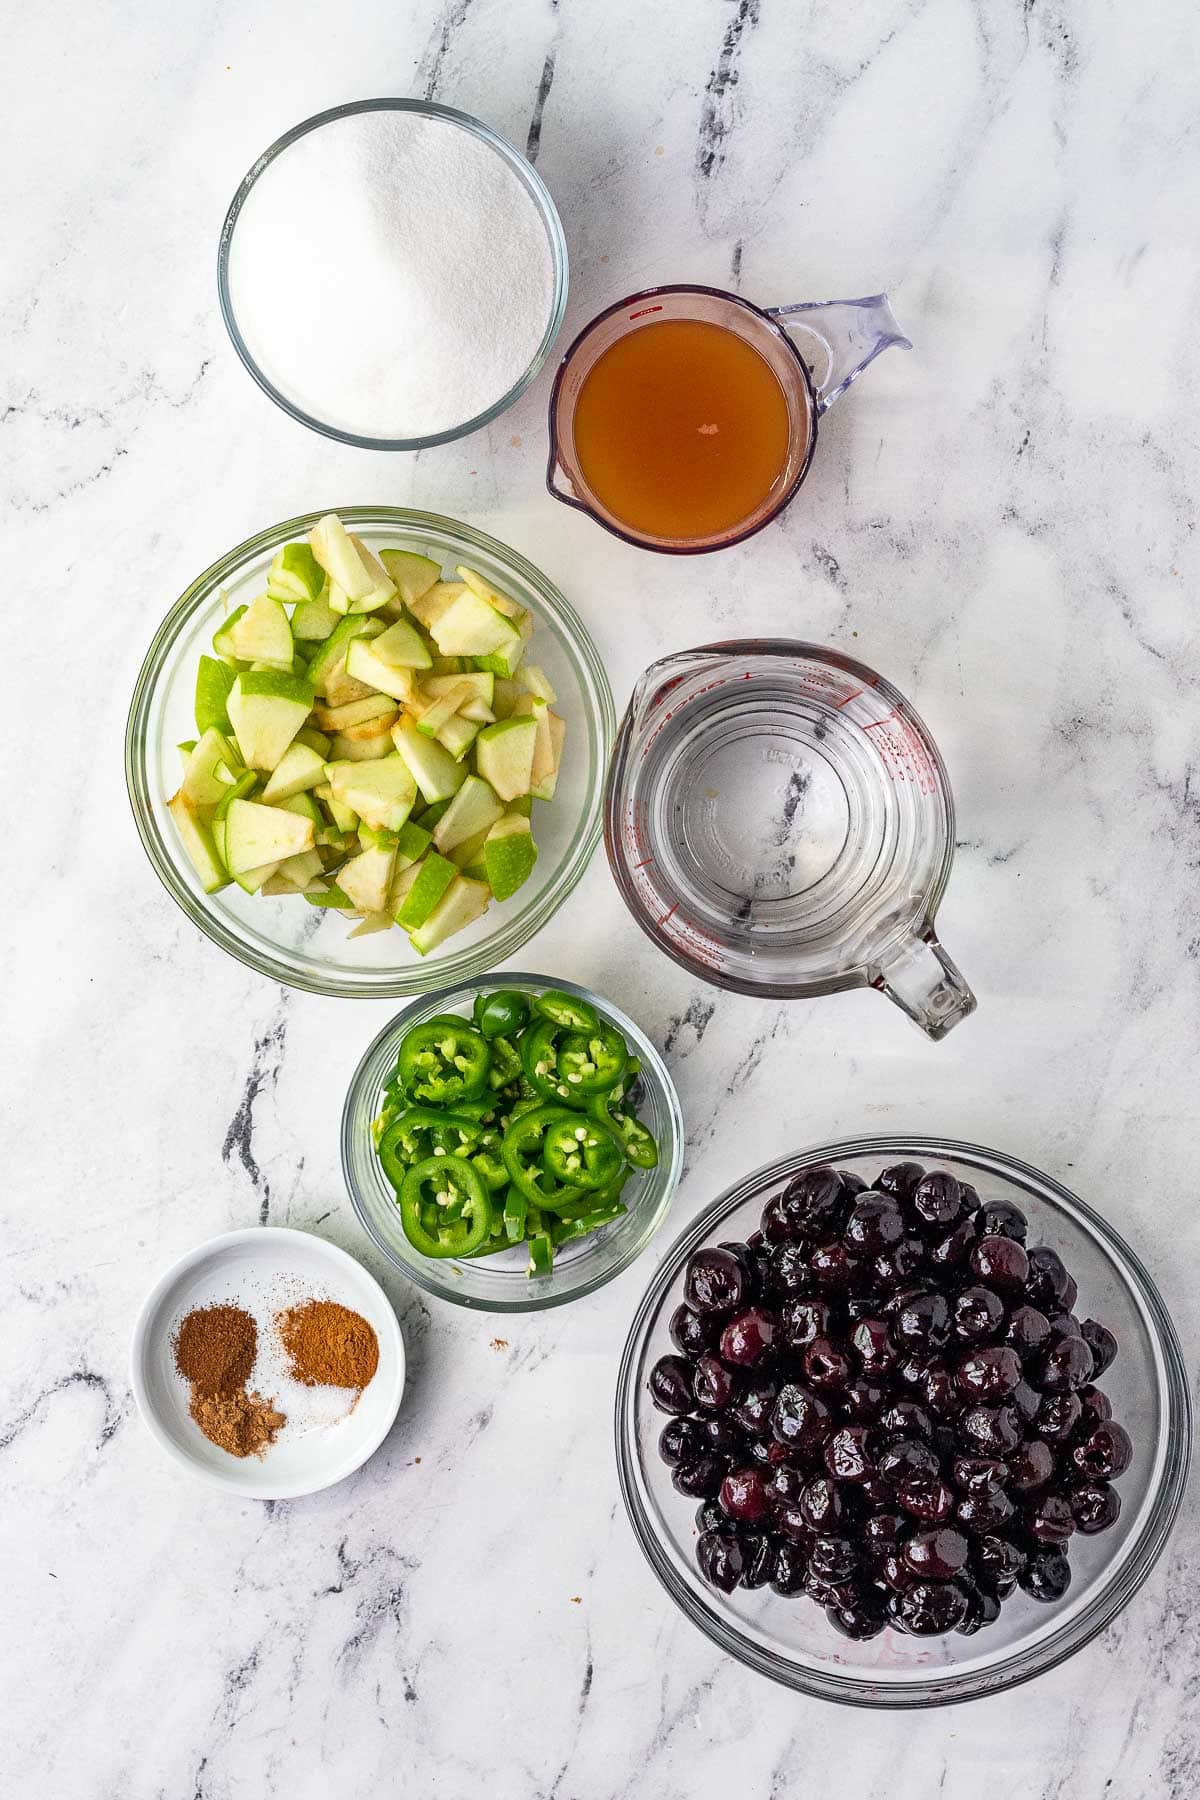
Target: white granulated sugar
[{"x": 391, "y": 275}]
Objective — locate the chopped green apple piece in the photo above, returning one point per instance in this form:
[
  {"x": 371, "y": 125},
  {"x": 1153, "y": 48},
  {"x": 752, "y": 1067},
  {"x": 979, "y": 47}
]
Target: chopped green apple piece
[
  {"x": 365, "y": 665},
  {"x": 406, "y": 876},
  {"x": 316, "y": 740},
  {"x": 544, "y": 790},
  {"x": 403, "y": 647},
  {"x": 304, "y": 807},
  {"x": 252, "y": 881},
  {"x": 241, "y": 789},
  {"x": 332, "y": 654},
  {"x": 374, "y": 921},
  {"x": 197, "y": 839},
  {"x": 442, "y": 707},
  {"x": 470, "y": 627},
  {"x": 267, "y": 710},
  {"x": 222, "y": 643},
  {"x": 299, "y": 768},
  {"x": 212, "y": 757},
  {"x": 480, "y": 687},
  {"x": 262, "y": 634},
  {"x": 257, "y": 834},
  {"x": 344, "y": 817},
  {"x": 430, "y": 816},
  {"x": 341, "y": 559},
  {"x": 504, "y": 697},
  {"x": 333, "y": 899},
  {"x": 504, "y": 755},
  {"x": 473, "y": 809},
  {"x": 421, "y": 900},
  {"x": 503, "y": 603},
  {"x": 434, "y": 602},
  {"x": 381, "y": 793},
  {"x": 523, "y": 804},
  {"x": 300, "y": 869},
  {"x": 530, "y": 706},
  {"x": 413, "y": 575},
  {"x": 367, "y": 878},
  {"x": 213, "y": 682},
  {"x": 532, "y": 680},
  {"x": 436, "y": 773},
  {"x": 463, "y": 902},
  {"x": 337, "y": 718},
  {"x": 509, "y": 855},
  {"x": 457, "y": 735},
  {"x": 412, "y": 841},
  {"x": 371, "y": 749},
  {"x": 469, "y": 851},
  {"x": 372, "y": 728},
  {"x": 295, "y": 574},
  {"x": 314, "y": 620}
]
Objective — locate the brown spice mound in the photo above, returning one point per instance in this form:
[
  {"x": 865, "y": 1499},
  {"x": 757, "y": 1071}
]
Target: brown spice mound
[
  {"x": 328, "y": 1345},
  {"x": 215, "y": 1348},
  {"x": 243, "y": 1424}
]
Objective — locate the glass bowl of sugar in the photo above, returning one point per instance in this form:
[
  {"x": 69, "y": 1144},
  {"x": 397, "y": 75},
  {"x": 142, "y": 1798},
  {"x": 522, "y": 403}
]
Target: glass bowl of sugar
[{"x": 392, "y": 273}]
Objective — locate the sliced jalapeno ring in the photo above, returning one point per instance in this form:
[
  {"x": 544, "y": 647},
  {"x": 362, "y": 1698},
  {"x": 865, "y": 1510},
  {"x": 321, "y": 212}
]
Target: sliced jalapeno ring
[
  {"x": 566, "y": 1011},
  {"x": 591, "y": 1063},
  {"x": 636, "y": 1140},
  {"x": 501, "y": 1013},
  {"x": 581, "y": 1153},
  {"x": 443, "y": 1061},
  {"x": 521, "y": 1150},
  {"x": 445, "y": 1182}
]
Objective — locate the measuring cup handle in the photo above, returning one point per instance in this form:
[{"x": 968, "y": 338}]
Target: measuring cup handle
[
  {"x": 838, "y": 338},
  {"x": 924, "y": 983}
]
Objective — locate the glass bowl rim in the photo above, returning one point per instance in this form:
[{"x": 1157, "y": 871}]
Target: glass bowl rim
[
  {"x": 510, "y": 935},
  {"x": 940, "y": 1688},
  {"x": 670, "y": 1156},
  {"x": 789, "y": 648},
  {"x": 525, "y": 172}
]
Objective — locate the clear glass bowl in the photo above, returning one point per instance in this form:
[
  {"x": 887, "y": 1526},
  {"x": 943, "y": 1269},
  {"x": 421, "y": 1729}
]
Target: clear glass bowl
[
  {"x": 790, "y": 1639},
  {"x": 297, "y": 944},
  {"x": 500, "y": 1283},
  {"x": 529, "y": 179}
]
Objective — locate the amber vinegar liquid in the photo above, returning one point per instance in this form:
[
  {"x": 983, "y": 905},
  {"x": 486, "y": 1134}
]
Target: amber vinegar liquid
[{"x": 681, "y": 429}]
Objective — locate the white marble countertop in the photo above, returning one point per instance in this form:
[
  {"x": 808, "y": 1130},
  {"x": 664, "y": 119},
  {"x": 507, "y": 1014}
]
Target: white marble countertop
[{"x": 1003, "y": 523}]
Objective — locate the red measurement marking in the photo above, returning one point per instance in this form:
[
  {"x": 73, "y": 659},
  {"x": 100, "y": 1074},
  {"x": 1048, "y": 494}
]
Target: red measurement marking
[
  {"x": 667, "y": 914},
  {"x": 643, "y": 313},
  {"x": 645, "y": 863},
  {"x": 875, "y": 722},
  {"x": 849, "y": 698}
]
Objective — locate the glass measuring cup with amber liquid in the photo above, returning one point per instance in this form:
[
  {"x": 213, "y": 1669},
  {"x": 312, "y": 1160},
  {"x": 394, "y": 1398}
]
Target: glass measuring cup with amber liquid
[{"x": 684, "y": 419}]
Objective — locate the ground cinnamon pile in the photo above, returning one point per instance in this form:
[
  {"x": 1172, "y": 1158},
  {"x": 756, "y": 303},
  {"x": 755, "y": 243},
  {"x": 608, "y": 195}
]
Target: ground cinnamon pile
[
  {"x": 215, "y": 1348},
  {"x": 328, "y": 1345}
]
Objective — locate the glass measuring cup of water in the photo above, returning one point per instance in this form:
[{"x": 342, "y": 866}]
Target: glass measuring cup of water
[
  {"x": 809, "y": 353},
  {"x": 779, "y": 821}
]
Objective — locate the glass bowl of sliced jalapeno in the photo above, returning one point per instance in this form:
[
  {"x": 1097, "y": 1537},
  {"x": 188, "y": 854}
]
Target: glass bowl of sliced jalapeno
[{"x": 512, "y": 1144}]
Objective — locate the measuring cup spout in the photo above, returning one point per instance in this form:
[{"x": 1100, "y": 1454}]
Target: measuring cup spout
[
  {"x": 924, "y": 983},
  {"x": 838, "y": 338}
]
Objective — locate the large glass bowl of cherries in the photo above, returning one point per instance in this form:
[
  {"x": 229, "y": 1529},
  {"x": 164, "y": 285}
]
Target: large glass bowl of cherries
[{"x": 901, "y": 1422}]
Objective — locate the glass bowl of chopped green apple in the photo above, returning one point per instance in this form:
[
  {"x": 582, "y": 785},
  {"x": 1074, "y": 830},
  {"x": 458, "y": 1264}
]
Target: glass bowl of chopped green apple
[
  {"x": 366, "y": 751},
  {"x": 511, "y": 1144}
]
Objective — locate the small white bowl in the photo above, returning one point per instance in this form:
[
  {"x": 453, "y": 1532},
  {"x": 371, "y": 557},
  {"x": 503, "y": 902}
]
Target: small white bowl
[{"x": 261, "y": 1269}]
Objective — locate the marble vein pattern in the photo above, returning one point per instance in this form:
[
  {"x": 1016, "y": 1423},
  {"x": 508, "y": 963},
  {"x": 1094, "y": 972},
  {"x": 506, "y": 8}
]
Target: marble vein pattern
[{"x": 1004, "y": 523}]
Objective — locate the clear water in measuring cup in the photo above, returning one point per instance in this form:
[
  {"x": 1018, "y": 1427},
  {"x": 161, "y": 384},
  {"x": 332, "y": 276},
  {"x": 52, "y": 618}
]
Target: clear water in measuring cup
[{"x": 779, "y": 820}]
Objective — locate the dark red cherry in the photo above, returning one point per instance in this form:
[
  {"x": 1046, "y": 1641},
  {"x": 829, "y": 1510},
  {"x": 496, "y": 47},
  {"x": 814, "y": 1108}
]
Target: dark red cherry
[
  {"x": 982, "y": 1515},
  {"x": 1046, "y": 1576},
  {"x": 712, "y": 1384},
  {"x": 689, "y": 1332},
  {"x": 978, "y": 1313},
  {"x": 1049, "y": 1519},
  {"x": 699, "y": 1477},
  {"x": 847, "y": 1456},
  {"x": 874, "y": 1225},
  {"x": 1066, "y": 1364},
  {"x": 900, "y": 1179},
  {"x": 1057, "y": 1417},
  {"x": 1027, "y": 1330},
  {"x": 999, "y": 1262},
  {"x": 1102, "y": 1344},
  {"x": 720, "y": 1559},
  {"x": 937, "y": 1555},
  {"x": 937, "y": 1199},
  {"x": 743, "y": 1495},
  {"x": 671, "y": 1385},
  {"x": 1095, "y": 1506},
  {"x": 932, "y": 1608},
  {"x": 715, "y": 1282},
  {"x": 800, "y": 1418},
  {"x": 1030, "y": 1466},
  {"x": 826, "y": 1365},
  {"x": 753, "y": 1407},
  {"x": 1106, "y": 1453},
  {"x": 990, "y": 1372},
  {"x": 748, "y": 1337}
]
